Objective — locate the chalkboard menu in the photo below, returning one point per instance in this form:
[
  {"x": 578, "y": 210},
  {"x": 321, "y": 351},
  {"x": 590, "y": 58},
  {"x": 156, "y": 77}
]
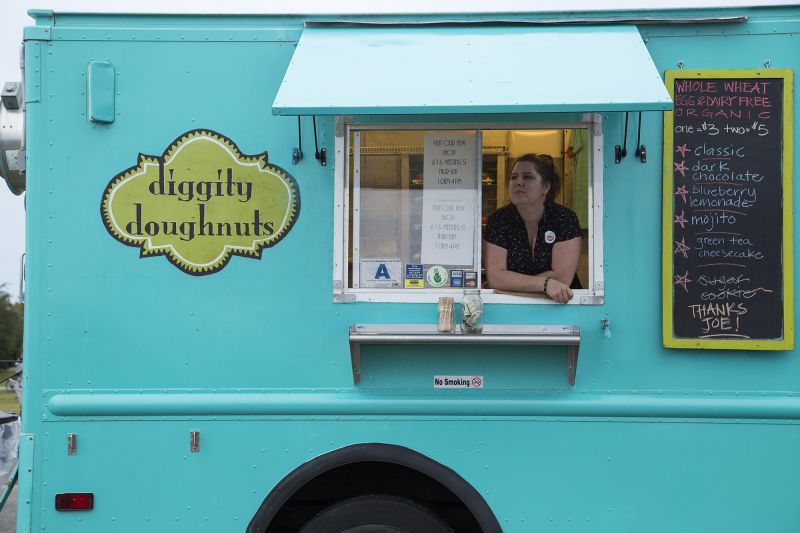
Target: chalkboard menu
[{"x": 727, "y": 210}]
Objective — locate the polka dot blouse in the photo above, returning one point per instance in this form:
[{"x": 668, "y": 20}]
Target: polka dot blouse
[{"x": 506, "y": 229}]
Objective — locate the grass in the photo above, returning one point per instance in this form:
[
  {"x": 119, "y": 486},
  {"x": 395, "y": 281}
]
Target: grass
[{"x": 8, "y": 400}]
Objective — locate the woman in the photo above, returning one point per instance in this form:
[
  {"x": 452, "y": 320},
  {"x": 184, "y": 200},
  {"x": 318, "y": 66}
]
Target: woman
[{"x": 533, "y": 244}]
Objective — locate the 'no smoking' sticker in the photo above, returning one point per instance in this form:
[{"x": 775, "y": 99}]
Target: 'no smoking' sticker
[{"x": 457, "y": 382}]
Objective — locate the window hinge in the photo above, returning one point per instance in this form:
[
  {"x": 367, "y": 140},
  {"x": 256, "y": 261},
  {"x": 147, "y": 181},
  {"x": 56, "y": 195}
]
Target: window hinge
[
  {"x": 340, "y": 125},
  {"x": 592, "y": 300},
  {"x": 597, "y": 124},
  {"x": 342, "y": 298}
]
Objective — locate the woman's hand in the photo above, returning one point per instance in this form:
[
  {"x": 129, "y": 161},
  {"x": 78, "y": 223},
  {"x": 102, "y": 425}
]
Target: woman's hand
[{"x": 557, "y": 291}]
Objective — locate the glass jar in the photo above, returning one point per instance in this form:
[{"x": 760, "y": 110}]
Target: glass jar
[{"x": 472, "y": 311}]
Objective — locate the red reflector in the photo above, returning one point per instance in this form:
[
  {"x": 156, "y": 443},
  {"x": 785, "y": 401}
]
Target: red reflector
[{"x": 75, "y": 501}]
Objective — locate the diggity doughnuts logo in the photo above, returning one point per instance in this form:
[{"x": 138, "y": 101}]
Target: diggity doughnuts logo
[{"x": 200, "y": 203}]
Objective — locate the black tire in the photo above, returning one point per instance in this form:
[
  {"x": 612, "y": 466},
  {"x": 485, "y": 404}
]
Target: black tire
[{"x": 376, "y": 513}]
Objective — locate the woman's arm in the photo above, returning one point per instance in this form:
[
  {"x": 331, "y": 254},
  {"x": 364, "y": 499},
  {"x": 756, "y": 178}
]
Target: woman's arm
[
  {"x": 502, "y": 278},
  {"x": 565, "y": 262}
]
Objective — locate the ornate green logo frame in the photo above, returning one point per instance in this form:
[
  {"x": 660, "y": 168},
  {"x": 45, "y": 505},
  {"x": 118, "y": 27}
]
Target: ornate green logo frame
[{"x": 200, "y": 203}]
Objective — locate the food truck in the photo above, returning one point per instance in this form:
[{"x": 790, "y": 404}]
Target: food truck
[{"x": 244, "y": 235}]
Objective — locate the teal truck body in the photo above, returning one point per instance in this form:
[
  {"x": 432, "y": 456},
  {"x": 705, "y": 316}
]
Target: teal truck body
[{"x": 192, "y": 383}]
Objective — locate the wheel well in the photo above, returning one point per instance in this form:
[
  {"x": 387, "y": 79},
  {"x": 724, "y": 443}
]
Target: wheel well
[{"x": 363, "y": 469}]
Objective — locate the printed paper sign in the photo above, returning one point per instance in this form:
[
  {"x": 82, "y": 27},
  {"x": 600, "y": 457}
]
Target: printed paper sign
[
  {"x": 457, "y": 382},
  {"x": 449, "y": 198},
  {"x": 380, "y": 273}
]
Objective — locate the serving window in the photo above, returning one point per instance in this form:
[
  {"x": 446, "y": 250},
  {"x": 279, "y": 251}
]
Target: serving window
[{"x": 413, "y": 202}]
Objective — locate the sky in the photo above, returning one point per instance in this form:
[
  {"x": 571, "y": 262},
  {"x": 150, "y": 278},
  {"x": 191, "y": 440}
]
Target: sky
[
  {"x": 13, "y": 17},
  {"x": 12, "y": 209}
]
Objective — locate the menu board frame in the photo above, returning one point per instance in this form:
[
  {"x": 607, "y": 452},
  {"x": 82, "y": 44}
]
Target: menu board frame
[{"x": 786, "y": 283}]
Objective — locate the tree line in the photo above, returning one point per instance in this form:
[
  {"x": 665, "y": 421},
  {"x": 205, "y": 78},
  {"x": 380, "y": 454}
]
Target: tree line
[{"x": 11, "y": 324}]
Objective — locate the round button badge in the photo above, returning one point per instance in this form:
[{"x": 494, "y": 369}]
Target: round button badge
[{"x": 549, "y": 237}]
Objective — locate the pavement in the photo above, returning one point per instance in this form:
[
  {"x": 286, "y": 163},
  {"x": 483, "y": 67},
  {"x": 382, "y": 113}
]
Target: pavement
[{"x": 8, "y": 516}]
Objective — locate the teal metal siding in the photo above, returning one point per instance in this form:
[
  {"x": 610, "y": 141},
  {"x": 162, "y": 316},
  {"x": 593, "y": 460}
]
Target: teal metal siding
[{"x": 649, "y": 439}]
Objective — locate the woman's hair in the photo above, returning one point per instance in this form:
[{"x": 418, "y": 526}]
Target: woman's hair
[{"x": 543, "y": 163}]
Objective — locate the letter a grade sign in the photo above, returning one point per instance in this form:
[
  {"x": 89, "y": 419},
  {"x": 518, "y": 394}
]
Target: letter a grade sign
[{"x": 383, "y": 273}]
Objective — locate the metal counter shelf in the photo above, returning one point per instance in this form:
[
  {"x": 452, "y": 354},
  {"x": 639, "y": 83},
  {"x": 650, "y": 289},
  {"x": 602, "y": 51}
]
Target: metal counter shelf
[{"x": 528, "y": 335}]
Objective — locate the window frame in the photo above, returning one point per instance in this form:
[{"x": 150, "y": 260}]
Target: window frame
[{"x": 592, "y": 295}]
